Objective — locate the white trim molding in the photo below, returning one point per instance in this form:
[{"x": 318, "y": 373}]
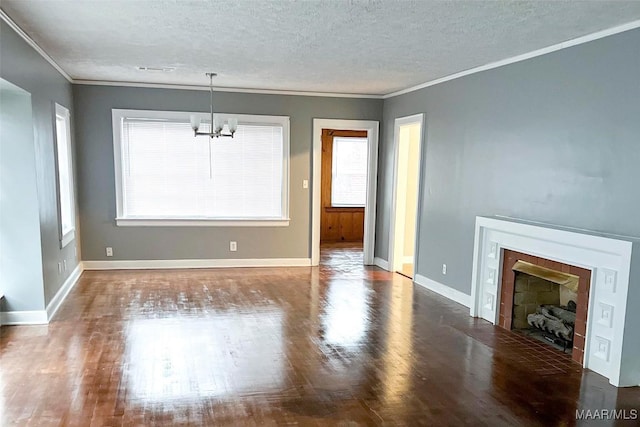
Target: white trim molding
[
  {"x": 612, "y": 348},
  {"x": 227, "y": 89},
  {"x": 381, "y": 263},
  {"x": 118, "y": 117},
  {"x": 186, "y": 222},
  {"x": 24, "y": 36},
  {"x": 539, "y": 52},
  {"x": 396, "y": 240},
  {"x": 444, "y": 290},
  {"x": 63, "y": 292},
  {"x": 64, "y": 153},
  {"x": 195, "y": 263},
  {"x": 372, "y": 129},
  {"x": 34, "y": 317},
  {"x": 518, "y": 58},
  {"x": 42, "y": 317}
]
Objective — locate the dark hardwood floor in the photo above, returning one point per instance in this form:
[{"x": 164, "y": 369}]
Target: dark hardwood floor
[{"x": 342, "y": 345}]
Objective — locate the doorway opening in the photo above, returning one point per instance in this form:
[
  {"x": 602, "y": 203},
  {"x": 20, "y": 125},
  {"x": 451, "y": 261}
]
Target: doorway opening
[
  {"x": 344, "y": 189},
  {"x": 343, "y": 195},
  {"x": 21, "y": 288},
  {"x": 404, "y": 221}
]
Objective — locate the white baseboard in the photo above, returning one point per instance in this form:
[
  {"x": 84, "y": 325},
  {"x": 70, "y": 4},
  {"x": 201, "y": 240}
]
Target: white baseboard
[
  {"x": 64, "y": 290},
  {"x": 444, "y": 290},
  {"x": 40, "y": 317},
  {"x": 381, "y": 263},
  {"x": 195, "y": 263},
  {"x": 34, "y": 317}
]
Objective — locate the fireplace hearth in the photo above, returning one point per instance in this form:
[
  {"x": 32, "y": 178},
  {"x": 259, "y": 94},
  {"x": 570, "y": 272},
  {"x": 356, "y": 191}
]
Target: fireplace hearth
[
  {"x": 605, "y": 338},
  {"x": 537, "y": 293}
]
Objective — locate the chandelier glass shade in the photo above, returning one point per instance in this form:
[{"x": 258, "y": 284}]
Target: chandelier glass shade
[{"x": 217, "y": 128}]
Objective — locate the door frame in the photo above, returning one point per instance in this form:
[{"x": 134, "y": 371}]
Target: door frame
[
  {"x": 372, "y": 128},
  {"x": 404, "y": 121}
]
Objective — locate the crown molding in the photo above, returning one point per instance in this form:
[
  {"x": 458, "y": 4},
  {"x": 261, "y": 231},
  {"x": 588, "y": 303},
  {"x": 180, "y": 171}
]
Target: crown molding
[
  {"x": 539, "y": 52},
  {"x": 15, "y": 27},
  {"x": 225, "y": 89},
  {"x": 518, "y": 58},
  {"x": 33, "y": 44}
]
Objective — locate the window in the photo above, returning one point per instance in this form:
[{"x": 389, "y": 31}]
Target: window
[
  {"x": 66, "y": 205},
  {"x": 349, "y": 172},
  {"x": 166, "y": 176}
]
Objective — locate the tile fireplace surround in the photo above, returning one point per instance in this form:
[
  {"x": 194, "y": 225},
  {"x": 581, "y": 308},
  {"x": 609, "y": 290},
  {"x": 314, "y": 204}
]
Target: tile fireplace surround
[{"x": 612, "y": 346}]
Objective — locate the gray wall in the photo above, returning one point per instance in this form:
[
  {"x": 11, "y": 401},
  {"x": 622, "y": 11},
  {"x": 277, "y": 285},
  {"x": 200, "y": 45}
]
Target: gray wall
[
  {"x": 554, "y": 139},
  {"x": 20, "y": 251},
  {"x": 631, "y": 344},
  {"x": 97, "y": 200},
  {"x": 25, "y": 68}
]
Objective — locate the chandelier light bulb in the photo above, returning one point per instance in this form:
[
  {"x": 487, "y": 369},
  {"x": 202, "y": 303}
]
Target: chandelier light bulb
[
  {"x": 195, "y": 122},
  {"x": 233, "y": 124},
  {"x": 217, "y": 124}
]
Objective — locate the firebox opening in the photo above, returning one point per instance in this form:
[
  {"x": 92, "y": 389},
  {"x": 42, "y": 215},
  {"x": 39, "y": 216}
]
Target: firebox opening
[{"x": 544, "y": 304}]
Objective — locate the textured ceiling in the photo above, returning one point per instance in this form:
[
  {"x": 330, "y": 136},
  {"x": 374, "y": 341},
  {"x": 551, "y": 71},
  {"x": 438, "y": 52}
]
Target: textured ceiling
[{"x": 362, "y": 47}]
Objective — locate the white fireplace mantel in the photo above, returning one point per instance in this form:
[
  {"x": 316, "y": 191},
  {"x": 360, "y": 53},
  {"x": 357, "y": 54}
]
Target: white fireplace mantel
[{"x": 612, "y": 346}]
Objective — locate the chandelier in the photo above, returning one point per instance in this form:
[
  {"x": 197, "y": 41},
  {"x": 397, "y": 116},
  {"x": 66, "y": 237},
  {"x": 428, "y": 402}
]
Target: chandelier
[{"x": 216, "y": 130}]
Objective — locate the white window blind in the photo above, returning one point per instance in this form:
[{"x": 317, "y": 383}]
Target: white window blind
[
  {"x": 65, "y": 176},
  {"x": 349, "y": 172},
  {"x": 169, "y": 173}
]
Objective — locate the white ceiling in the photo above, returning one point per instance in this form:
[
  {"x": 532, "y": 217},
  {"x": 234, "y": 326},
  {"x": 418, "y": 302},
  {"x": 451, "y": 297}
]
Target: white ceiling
[{"x": 360, "y": 47}]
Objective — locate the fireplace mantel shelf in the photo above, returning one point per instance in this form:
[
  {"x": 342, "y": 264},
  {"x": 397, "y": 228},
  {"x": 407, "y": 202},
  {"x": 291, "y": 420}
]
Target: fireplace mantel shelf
[{"x": 611, "y": 349}]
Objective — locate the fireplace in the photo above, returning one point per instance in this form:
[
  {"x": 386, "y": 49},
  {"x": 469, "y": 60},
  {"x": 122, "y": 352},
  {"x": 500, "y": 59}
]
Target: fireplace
[
  {"x": 545, "y": 298},
  {"x": 605, "y": 337}
]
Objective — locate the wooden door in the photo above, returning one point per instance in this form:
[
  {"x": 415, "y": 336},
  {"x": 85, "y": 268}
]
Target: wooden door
[{"x": 337, "y": 224}]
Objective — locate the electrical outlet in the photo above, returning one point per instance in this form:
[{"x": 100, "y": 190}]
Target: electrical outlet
[
  {"x": 59, "y": 268},
  {"x": 305, "y": 183},
  {"x": 444, "y": 268},
  {"x": 233, "y": 246},
  {"x": 64, "y": 265},
  {"x": 109, "y": 251}
]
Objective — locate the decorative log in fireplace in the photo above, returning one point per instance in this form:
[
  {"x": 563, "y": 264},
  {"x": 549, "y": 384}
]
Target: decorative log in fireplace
[
  {"x": 520, "y": 271},
  {"x": 558, "y": 321}
]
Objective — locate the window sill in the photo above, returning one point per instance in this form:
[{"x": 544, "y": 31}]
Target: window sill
[
  {"x": 344, "y": 209},
  {"x": 198, "y": 222},
  {"x": 67, "y": 238}
]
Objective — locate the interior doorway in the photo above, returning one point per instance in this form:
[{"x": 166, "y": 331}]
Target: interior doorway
[
  {"x": 404, "y": 222},
  {"x": 350, "y": 133},
  {"x": 343, "y": 186},
  {"x": 343, "y": 195},
  {"x": 20, "y": 241}
]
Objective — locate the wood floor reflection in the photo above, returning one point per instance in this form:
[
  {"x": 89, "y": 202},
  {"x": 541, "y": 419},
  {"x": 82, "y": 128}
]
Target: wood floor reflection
[{"x": 341, "y": 344}]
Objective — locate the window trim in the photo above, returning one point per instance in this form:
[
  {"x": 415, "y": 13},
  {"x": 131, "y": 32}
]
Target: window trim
[
  {"x": 70, "y": 235},
  {"x": 118, "y": 115},
  {"x": 333, "y": 176}
]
